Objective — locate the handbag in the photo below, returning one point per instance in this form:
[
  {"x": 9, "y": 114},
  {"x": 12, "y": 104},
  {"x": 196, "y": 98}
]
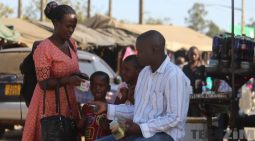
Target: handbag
[{"x": 58, "y": 127}]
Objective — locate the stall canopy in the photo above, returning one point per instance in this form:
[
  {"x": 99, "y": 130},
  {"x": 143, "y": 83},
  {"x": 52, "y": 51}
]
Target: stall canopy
[
  {"x": 110, "y": 27},
  {"x": 176, "y": 36},
  {"x": 97, "y": 37},
  {"x": 8, "y": 34},
  {"x": 28, "y": 31},
  {"x": 83, "y": 35},
  {"x": 120, "y": 37}
]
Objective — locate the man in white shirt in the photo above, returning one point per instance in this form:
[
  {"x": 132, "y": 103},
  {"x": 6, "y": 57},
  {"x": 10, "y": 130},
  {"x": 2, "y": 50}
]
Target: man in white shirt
[{"x": 161, "y": 96}]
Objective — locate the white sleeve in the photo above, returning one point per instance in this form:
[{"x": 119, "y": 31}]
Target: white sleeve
[{"x": 119, "y": 112}]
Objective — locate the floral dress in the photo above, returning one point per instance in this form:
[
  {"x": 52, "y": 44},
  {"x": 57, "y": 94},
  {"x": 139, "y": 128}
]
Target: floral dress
[{"x": 50, "y": 62}]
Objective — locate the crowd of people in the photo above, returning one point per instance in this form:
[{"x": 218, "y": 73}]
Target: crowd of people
[{"x": 152, "y": 102}]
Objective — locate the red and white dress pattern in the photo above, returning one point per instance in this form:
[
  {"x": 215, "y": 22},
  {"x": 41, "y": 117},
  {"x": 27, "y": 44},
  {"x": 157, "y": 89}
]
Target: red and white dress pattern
[{"x": 50, "y": 62}]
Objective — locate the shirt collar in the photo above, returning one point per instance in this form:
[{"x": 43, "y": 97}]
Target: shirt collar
[{"x": 162, "y": 67}]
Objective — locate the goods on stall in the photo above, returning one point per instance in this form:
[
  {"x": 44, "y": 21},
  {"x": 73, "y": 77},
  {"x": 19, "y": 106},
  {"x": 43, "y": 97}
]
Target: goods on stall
[{"x": 243, "y": 51}]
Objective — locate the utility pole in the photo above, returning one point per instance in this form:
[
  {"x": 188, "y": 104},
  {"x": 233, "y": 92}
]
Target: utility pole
[
  {"x": 110, "y": 9},
  {"x": 141, "y": 12},
  {"x": 243, "y": 18},
  {"x": 88, "y": 10},
  {"x": 19, "y": 9},
  {"x": 42, "y": 7}
]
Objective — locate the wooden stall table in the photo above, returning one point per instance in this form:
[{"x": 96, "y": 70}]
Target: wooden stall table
[{"x": 208, "y": 101}]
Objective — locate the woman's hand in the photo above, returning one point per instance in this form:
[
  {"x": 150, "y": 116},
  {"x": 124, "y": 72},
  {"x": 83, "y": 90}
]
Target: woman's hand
[
  {"x": 75, "y": 80},
  {"x": 82, "y": 75}
]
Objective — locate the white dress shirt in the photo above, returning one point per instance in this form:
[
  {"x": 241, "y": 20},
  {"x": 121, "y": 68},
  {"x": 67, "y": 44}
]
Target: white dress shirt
[{"x": 161, "y": 101}]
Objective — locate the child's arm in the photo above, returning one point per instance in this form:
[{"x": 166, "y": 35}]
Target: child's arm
[
  {"x": 81, "y": 125},
  {"x": 85, "y": 111},
  {"x": 103, "y": 121},
  {"x": 124, "y": 96}
]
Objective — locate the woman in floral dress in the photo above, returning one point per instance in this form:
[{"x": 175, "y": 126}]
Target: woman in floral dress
[{"x": 55, "y": 61}]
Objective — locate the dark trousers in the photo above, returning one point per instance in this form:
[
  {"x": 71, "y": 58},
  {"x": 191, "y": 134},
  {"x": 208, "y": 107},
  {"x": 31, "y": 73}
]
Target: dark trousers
[{"x": 156, "y": 137}]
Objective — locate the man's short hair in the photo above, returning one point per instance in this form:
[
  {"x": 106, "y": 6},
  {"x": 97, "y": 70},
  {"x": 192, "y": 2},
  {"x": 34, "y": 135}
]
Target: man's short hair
[{"x": 154, "y": 37}]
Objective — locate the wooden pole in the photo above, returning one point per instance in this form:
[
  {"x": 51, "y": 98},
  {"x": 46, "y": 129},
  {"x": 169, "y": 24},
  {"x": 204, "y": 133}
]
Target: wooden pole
[
  {"x": 243, "y": 17},
  {"x": 19, "y": 9},
  {"x": 141, "y": 12},
  {"x": 88, "y": 10},
  {"x": 110, "y": 9},
  {"x": 42, "y": 7}
]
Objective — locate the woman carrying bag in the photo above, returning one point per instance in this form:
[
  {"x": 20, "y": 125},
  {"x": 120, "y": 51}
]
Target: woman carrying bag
[{"x": 56, "y": 64}]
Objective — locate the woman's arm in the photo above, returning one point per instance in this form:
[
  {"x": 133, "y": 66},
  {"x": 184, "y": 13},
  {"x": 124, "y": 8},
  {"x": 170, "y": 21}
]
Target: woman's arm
[{"x": 68, "y": 80}]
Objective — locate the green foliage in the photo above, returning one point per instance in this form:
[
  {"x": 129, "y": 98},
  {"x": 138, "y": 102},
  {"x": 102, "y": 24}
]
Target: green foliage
[
  {"x": 63, "y": 1},
  {"x": 5, "y": 11},
  {"x": 251, "y": 23},
  {"x": 125, "y": 21},
  {"x": 213, "y": 29},
  {"x": 157, "y": 21},
  {"x": 80, "y": 8},
  {"x": 33, "y": 12},
  {"x": 196, "y": 19}
]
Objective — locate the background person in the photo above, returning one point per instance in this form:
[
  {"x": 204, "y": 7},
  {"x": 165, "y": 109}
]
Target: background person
[{"x": 130, "y": 70}]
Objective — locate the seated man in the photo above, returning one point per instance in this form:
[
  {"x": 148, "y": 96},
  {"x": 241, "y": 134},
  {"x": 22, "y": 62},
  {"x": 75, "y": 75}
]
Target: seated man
[{"x": 161, "y": 96}]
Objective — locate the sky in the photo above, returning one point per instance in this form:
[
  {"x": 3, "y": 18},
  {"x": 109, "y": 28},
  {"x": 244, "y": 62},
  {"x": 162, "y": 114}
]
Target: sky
[{"x": 175, "y": 10}]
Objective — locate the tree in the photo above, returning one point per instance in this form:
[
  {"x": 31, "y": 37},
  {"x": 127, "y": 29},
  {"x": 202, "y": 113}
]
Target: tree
[
  {"x": 80, "y": 8},
  {"x": 155, "y": 21},
  {"x": 196, "y": 19},
  {"x": 63, "y": 1},
  {"x": 251, "y": 23},
  {"x": 5, "y": 11},
  {"x": 125, "y": 21},
  {"x": 32, "y": 12},
  {"x": 213, "y": 29}
]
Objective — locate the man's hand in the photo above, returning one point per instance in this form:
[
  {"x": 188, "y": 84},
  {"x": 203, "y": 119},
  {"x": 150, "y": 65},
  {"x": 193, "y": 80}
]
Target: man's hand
[
  {"x": 101, "y": 107},
  {"x": 132, "y": 129}
]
